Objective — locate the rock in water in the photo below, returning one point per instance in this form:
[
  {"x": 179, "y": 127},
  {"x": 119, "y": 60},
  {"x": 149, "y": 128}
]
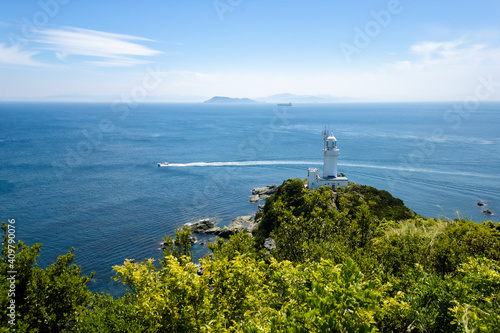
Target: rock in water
[
  {"x": 480, "y": 203},
  {"x": 263, "y": 193},
  {"x": 239, "y": 224},
  {"x": 487, "y": 211},
  {"x": 269, "y": 189},
  {"x": 243, "y": 223},
  {"x": 255, "y": 198},
  {"x": 245, "y": 219},
  {"x": 224, "y": 232},
  {"x": 202, "y": 226}
]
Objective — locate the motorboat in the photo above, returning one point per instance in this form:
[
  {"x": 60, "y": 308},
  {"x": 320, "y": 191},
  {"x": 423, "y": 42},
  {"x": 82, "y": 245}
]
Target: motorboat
[{"x": 163, "y": 164}]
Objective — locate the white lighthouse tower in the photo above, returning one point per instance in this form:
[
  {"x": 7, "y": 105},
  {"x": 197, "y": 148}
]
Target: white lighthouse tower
[
  {"x": 330, "y": 153},
  {"x": 330, "y": 177}
]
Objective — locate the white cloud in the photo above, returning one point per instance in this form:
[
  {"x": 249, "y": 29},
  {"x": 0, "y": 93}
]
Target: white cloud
[
  {"x": 438, "y": 70},
  {"x": 13, "y": 55},
  {"x": 102, "y": 49},
  {"x": 430, "y": 55},
  {"x": 110, "y": 49}
]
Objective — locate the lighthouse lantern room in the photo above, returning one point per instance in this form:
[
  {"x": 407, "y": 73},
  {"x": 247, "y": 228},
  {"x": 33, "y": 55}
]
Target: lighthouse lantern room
[{"x": 330, "y": 177}]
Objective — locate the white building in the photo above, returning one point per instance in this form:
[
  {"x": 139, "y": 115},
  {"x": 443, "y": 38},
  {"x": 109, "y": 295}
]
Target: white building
[{"x": 330, "y": 176}]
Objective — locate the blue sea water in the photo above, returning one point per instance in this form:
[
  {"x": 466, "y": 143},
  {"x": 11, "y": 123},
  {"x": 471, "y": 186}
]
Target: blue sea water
[{"x": 85, "y": 175}]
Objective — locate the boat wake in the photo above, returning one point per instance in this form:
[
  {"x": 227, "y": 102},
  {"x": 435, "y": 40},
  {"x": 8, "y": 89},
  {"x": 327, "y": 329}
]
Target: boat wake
[
  {"x": 319, "y": 163},
  {"x": 246, "y": 163},
  {"x": 416, "y": 170}
]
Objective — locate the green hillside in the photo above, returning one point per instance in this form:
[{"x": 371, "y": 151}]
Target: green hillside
[{"x": 353, "y": 261}]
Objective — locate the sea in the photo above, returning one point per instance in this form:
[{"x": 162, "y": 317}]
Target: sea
[{"x": 85, "y": 175}]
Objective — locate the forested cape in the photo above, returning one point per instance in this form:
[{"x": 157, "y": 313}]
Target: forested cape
[{"x": 355, "y": 260}]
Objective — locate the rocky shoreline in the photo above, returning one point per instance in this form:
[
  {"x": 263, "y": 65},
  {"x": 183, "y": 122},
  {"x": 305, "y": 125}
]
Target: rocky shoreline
[{"x": 244, "y": 223}]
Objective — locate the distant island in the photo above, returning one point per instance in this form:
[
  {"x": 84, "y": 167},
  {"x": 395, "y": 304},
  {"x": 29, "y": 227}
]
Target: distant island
[
  {"x": 283, "y": 99},
  {"x": 229, "y": 100}
]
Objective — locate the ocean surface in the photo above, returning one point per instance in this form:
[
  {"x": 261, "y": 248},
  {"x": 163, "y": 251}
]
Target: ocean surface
[{"x": 86, "y": 175}]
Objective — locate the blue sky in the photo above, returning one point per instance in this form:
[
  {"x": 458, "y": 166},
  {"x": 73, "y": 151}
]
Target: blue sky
[{"x": 395, "y": 50}]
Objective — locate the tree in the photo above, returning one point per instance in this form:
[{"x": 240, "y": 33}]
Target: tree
[{"x": 47, "y": 300}]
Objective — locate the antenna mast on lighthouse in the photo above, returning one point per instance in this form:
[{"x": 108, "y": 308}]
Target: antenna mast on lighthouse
[{"x": 325, "y": 133}]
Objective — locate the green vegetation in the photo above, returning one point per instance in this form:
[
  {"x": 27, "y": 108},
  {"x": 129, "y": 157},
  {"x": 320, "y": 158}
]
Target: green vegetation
[
  {"x": 46, "y": 300},
  {"x": 353, "y": 261}
]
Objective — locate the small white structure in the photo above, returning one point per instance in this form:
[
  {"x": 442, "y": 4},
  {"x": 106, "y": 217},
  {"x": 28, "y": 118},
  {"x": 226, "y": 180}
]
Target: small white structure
[{"x": 330, "y": 176}]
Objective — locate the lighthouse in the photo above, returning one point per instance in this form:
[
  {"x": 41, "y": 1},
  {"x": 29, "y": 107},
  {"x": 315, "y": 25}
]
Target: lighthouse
[
  {"x": 330, "y": 153},
  {"x": 330, "y": 176}
]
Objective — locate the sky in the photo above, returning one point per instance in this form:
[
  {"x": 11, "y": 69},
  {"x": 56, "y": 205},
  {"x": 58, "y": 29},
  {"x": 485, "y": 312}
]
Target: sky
[{"x": 390, "y": 50}]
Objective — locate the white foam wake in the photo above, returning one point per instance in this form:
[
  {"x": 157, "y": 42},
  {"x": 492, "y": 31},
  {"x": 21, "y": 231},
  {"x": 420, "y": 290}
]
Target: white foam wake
[
  {"x": 316, "y": 163},
  {"x": 246, "y": 163},
  {"x": 416, "y": 170}
]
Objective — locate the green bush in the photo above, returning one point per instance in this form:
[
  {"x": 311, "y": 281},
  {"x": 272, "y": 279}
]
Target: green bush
[
  {"x": 47, "y": 300},
  {"x": 106, "y": 314}
]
